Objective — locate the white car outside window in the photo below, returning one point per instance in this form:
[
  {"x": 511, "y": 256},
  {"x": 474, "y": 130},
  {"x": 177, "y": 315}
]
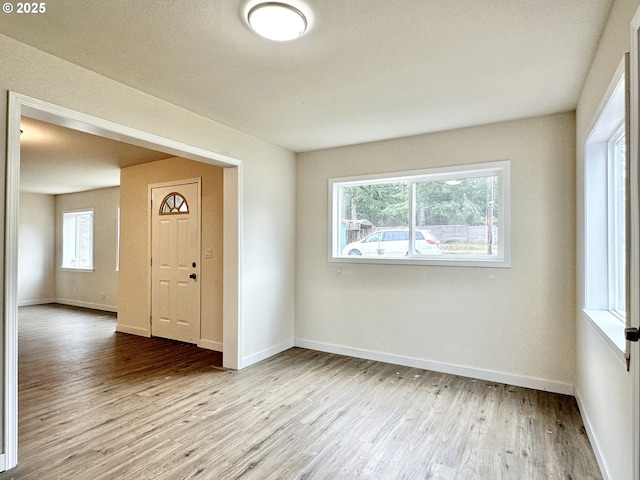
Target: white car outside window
[{"x": 392, "y": 243}]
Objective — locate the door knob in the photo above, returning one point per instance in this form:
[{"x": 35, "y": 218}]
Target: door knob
[
  {"x": 631, "y": 334},
  {"x": 193, "y": 275}
]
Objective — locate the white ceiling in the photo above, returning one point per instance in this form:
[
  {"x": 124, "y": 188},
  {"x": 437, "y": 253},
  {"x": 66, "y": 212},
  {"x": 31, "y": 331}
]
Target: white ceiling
[
  {"x": 55, "y": 160},
  {"x": 366, "y": 69}
]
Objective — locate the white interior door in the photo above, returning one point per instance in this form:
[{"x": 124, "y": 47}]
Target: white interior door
[{"x": 175, "y": 262}]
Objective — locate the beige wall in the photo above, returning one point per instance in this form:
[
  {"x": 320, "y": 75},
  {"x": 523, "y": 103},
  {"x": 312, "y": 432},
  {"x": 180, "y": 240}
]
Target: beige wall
[
  {"x": 603, "y": 386},
  {"x": 514, "y": 324},
  {"x": 133, "y": 315},
  {"x": 40, "y": 278},
  {"x": 98, "y": 288},
  {"x": 36, "y": 259}
]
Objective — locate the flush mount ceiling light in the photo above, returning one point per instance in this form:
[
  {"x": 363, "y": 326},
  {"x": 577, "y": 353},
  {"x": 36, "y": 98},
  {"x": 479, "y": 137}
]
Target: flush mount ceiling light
[{"x": 277, "y": 21}]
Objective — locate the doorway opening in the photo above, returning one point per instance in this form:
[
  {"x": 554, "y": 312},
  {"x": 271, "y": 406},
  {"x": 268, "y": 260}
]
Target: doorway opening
[{"x": 21, "y": 105}]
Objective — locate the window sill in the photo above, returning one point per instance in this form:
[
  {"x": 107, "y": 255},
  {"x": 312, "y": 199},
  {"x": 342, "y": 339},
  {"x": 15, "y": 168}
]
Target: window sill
[
  {"x": 610, "y": 328},
  {"x": 82, "y": 270}
]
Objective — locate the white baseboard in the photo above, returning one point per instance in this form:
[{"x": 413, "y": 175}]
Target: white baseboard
[
  {"x": 595, "y": 446},
  {"x": 94, "y": 306},
  {"x": 266, "y": 353},
  {"x": 488, "y": 375},
  {"x": 42, "y": 301},
  {"x": 142, "y": 332},
  {"x": 210, "y": 345}
]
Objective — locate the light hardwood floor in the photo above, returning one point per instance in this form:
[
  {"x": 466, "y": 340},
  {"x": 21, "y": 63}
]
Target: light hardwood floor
[{"x": 95, "y": 404}]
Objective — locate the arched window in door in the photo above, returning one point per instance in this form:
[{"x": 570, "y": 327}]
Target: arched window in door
[{"x": 174, "y": 204}]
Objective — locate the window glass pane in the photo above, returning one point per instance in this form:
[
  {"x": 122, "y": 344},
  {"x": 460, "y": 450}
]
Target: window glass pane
[
  {"x": 77, "y": 240},
  {"x": 374, "y": 217},
  {"x": 462, "y": 214},
  {"x": 174, "y": 204},
  {"x": 618, "y": 226},
  {"x": 85, "y": 241},
  {"x": 452, "y": 216},
  {"x": 69, "y": 240}
]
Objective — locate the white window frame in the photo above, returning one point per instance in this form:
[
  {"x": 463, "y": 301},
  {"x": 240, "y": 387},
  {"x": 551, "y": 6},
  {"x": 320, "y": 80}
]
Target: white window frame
[
  {"x": 597, "y": 214},
  {"x": 501, "y": 169},
  {"x": 76, "y": 213}
]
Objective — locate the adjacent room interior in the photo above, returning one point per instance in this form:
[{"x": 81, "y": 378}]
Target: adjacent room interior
[{"x": 369, "y": 250}]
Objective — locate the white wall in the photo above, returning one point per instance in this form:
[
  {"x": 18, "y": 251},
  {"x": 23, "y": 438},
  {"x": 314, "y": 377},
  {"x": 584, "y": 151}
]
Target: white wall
[
  {"x": 36, "y": 271},
  {"x": 267, "y": 183},
  {"x": 515, "y": 325},
  {"x": 270, "y": 253},
  {"x": 603, "y": 387},
  {"x": 97, "y": 288}
]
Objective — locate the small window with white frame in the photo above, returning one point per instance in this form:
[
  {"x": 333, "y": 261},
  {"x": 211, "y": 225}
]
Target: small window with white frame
[
  {"x": 77, "y": 240},
  {"x": 443, "y": 216}
]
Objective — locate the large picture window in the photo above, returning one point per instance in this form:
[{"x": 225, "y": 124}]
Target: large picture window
[
  {"x": 77, "y": 240},
  {"x": 447, "y": 216}
]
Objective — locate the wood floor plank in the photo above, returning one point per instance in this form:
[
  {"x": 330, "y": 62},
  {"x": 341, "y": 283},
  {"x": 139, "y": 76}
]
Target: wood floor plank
[{"x": 96, "y": 405}]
